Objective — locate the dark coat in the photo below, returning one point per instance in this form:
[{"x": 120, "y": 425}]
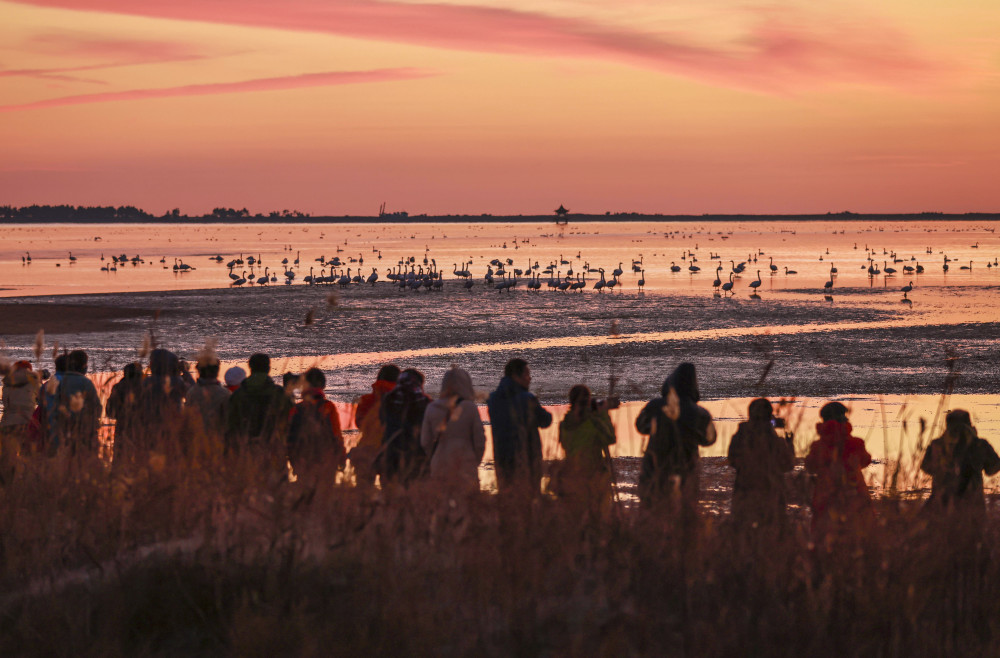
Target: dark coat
[
  {"x": 761, "y": 458},
  {"x": 402, "y": 415},
  {"x": 257, "y": 418},
  {"x": 77, "y": 414},
  {"x": 515, "y": 418},
  {"x": 123, "y": 405},
  {"x": 673, "y": 444},
  {"x": 956, "y": 465}
]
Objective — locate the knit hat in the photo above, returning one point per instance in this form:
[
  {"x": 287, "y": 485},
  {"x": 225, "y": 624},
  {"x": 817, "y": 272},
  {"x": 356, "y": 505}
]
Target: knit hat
[{"x": 235, "y": 375}]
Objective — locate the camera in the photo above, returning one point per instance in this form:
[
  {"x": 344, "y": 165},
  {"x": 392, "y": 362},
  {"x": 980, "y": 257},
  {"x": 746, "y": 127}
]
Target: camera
[
  {"x": 611, "y": 403},
  {"x": 778, "y": 423}
]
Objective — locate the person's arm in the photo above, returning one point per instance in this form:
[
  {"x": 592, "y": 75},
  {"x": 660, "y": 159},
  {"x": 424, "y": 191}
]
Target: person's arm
[
  {"x": 542, "y": 416},
  {"x": 815, "y": 459},
  {"x": 644, "y": 421},
  {"x": 735, "y": 453},
  {"x": 991, "y": 461},
  {"x": 927, "y": 463}
]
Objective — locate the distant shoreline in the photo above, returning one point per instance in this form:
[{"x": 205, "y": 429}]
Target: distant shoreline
[{"x": 507, "y": 219}]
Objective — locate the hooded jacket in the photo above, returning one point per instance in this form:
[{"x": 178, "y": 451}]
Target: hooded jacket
[
  {"x": 452, "y": 432},
  {"x": 673, "y": 444},
  {"x": 20, "y": 396},
  {"x": 515, "y": 418},
  {"x": 837, "y": 459}
]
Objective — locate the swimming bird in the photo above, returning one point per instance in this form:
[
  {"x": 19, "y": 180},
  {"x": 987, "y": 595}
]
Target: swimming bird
[
  {"x": 788, "y": 271},
  {"x": 969, "y": 267},
  {"x": 674, "y": 267}
]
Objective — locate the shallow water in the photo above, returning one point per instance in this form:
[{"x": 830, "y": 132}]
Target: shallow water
[
  {"x": 808, "y": 248},
  {"x": 789, "y": 341}
]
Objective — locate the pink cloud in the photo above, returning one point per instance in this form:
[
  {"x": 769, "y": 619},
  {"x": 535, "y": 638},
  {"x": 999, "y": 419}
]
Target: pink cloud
[
  {"x": 115, "y": 53},
  {"x": 778, "y": 52},
  {"x": 260, "y": 84}
]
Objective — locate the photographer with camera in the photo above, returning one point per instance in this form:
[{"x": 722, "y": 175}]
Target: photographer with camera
[
  {"x": 761, "y": 459},
  {"x": 585, "y": 476}
]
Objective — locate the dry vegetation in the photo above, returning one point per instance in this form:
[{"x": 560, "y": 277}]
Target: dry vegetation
[{"x": 215, "y": 559}]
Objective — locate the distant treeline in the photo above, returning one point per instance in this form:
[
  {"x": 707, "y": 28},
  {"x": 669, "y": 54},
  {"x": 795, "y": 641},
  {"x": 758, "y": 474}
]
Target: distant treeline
[
  {"x": 130, "y": 214},
  {"x": 67, "y": 213}
]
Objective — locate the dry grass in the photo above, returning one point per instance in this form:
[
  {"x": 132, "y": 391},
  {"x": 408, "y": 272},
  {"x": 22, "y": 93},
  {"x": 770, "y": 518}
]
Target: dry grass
[{"x": 222, "y": 559}]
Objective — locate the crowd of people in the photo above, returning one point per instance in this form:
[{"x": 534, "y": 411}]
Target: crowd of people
[{"x": 405, "y": 436}]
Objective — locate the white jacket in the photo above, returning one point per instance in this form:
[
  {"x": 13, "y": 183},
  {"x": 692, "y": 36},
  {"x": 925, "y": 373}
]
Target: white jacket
[{"x": 452, "y": 432}]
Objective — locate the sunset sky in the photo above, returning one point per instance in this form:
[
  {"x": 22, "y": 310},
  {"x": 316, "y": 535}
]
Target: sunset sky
[{"x": 332, "y": 107}]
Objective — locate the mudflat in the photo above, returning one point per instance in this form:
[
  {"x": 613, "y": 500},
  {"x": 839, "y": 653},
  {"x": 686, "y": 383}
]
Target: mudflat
[{"x": 27, "y": 318}]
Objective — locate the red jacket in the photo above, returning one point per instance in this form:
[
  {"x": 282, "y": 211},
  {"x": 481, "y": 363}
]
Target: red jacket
[
  {"x": 368, "y": 400},
  {"x": 837, "y": 459}
]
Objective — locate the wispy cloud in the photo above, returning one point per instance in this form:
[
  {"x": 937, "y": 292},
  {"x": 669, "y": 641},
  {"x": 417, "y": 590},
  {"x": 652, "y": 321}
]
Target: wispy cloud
[
  {"x": 259, "y": 84},
  {"x": 110, "y": 53},
  {"x": 777, "y": 51}
]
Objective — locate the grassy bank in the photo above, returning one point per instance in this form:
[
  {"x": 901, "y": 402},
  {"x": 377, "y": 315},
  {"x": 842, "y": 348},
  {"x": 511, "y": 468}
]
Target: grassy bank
[{"x": 217, "y": 559}]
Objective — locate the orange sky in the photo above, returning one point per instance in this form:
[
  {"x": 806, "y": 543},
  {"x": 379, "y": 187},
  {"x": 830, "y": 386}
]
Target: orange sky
[{"x": 332, "y": 107}]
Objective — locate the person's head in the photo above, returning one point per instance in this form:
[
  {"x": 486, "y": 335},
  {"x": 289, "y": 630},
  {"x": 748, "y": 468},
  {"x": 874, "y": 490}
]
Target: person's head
[
  {"x": 579, "y": 397},
  {"x": 60, "y": 362},
  {"x": 518, "y": 371},
  {"x": 957, "y": 419},
  {"x": 457, "y": 382},
  {"x": 315, "y": 378},
  {"x": 761, "y": 410},
  {"x": 208, "y": 367},
  {"x": 163, "y": 363},
  {"x": 259, "y": 363},
  {"x": 684, "y": 381},
  {"x": 833, "y": 411},
  {"x": 411, "y": 380},
  {"x": 76, "y": 361},
  {"x": 388, "y": 373},
  {"x": 132, "y": 371},
  {"x": 235, "y": 376}
]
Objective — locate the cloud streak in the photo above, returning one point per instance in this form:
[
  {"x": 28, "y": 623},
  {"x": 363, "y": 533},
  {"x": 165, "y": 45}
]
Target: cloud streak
[
  {"x": 117, "y": 53},
  {"x": 777, "y": 52},
  {"x": 260, "y": 84}
]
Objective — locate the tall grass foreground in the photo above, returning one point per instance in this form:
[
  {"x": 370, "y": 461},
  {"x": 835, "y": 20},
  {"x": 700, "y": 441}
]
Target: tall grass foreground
[{"x": 218, "y": 558}]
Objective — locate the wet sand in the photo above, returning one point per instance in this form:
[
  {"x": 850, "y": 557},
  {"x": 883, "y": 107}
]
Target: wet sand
[
  {"x": 19, "y": 319},
  {"x": 743, "y": 347}
]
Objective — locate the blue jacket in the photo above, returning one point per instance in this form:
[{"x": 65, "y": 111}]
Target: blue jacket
[
  {"x": 515, "y": 417},
  {"x": 77, "y": 413}
]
